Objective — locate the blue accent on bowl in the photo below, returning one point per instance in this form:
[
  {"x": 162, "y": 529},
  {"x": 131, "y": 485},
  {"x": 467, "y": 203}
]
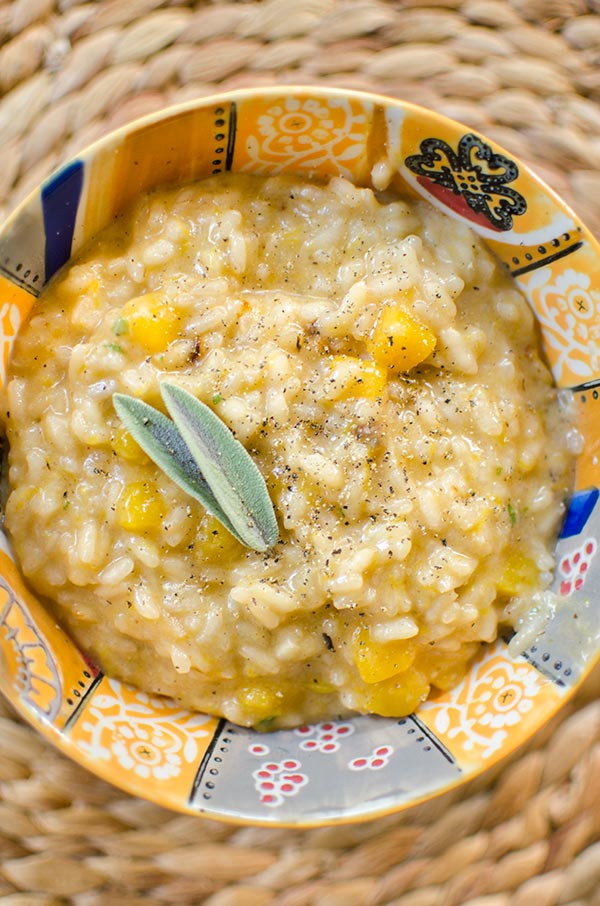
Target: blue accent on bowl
[
  {"x": 60, "y": 201},
  {"x": 580, "y": 509}
]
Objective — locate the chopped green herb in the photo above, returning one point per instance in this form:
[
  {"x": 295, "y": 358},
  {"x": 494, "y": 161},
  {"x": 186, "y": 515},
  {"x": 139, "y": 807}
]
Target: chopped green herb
[
  {"x": 120, "y": 327},
  {"x": 114, "y": 347},
  {"x": 512, "y": 513},
  {"x": 217, "y": 398},
  {"x": 264, "y": 725}
]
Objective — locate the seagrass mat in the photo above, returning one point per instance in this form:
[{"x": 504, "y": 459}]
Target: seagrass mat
[{"x": 527, "y": 73}]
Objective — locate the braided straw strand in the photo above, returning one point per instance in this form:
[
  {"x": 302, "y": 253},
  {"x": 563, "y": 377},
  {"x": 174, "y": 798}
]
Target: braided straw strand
[
  {"x": 530, "y": 829},
  {"x": 526, "y": 73}
]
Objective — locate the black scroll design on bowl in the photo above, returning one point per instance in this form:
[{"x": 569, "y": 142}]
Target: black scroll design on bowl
[{"x": 474, "y": 172}]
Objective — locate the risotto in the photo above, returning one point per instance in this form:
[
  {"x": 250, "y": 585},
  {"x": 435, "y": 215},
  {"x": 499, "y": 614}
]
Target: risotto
[{"x": 383, "y": 373}]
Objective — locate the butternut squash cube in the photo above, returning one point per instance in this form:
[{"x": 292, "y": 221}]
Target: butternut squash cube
[
  {"x": 351, "y": 377},
  {"x": 139, "y": 507},
  {"x": 127, "y": 447},
  {"x": 151, "y": 321},
  {"x": 520, "y": 573},
  {"x": 398, "y": 695},
  {"x": 378, "y": 661},
  {"x": 399, "y": 340}
]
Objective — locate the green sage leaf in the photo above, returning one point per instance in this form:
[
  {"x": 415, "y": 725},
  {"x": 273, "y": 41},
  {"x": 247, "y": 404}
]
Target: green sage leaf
[
  {"x": 159, "y": 438},
  {"x": 226, "y": 466},
  {"x": 200, "y": 454}
]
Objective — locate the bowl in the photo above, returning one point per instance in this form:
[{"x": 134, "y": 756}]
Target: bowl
[{"x": 363, "y": 767}]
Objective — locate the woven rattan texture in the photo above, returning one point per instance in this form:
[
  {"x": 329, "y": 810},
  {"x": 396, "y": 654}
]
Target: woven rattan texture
[{"x": 527, "y": 73}]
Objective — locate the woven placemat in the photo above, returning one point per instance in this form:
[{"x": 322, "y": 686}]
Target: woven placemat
[{"x": 527, "y": 73}]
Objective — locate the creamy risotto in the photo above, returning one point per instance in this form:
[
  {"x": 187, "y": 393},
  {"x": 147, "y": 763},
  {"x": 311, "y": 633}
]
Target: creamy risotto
[{"x": 383, "y": 373}]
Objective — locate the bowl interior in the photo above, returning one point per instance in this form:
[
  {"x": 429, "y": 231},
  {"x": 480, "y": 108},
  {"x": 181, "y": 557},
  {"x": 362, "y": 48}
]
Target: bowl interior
[{"x": 365, "y": 766}]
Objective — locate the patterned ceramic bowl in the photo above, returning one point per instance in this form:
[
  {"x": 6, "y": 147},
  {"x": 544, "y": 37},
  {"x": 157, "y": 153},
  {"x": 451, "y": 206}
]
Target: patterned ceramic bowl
[{"x": 366, "y": 766}]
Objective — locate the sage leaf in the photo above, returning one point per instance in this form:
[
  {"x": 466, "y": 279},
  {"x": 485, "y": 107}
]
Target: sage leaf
[
  {"x": 200, "y": 454},
  {"x": 226, "y": 466},
  {"x": 159, "y": 438}
]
